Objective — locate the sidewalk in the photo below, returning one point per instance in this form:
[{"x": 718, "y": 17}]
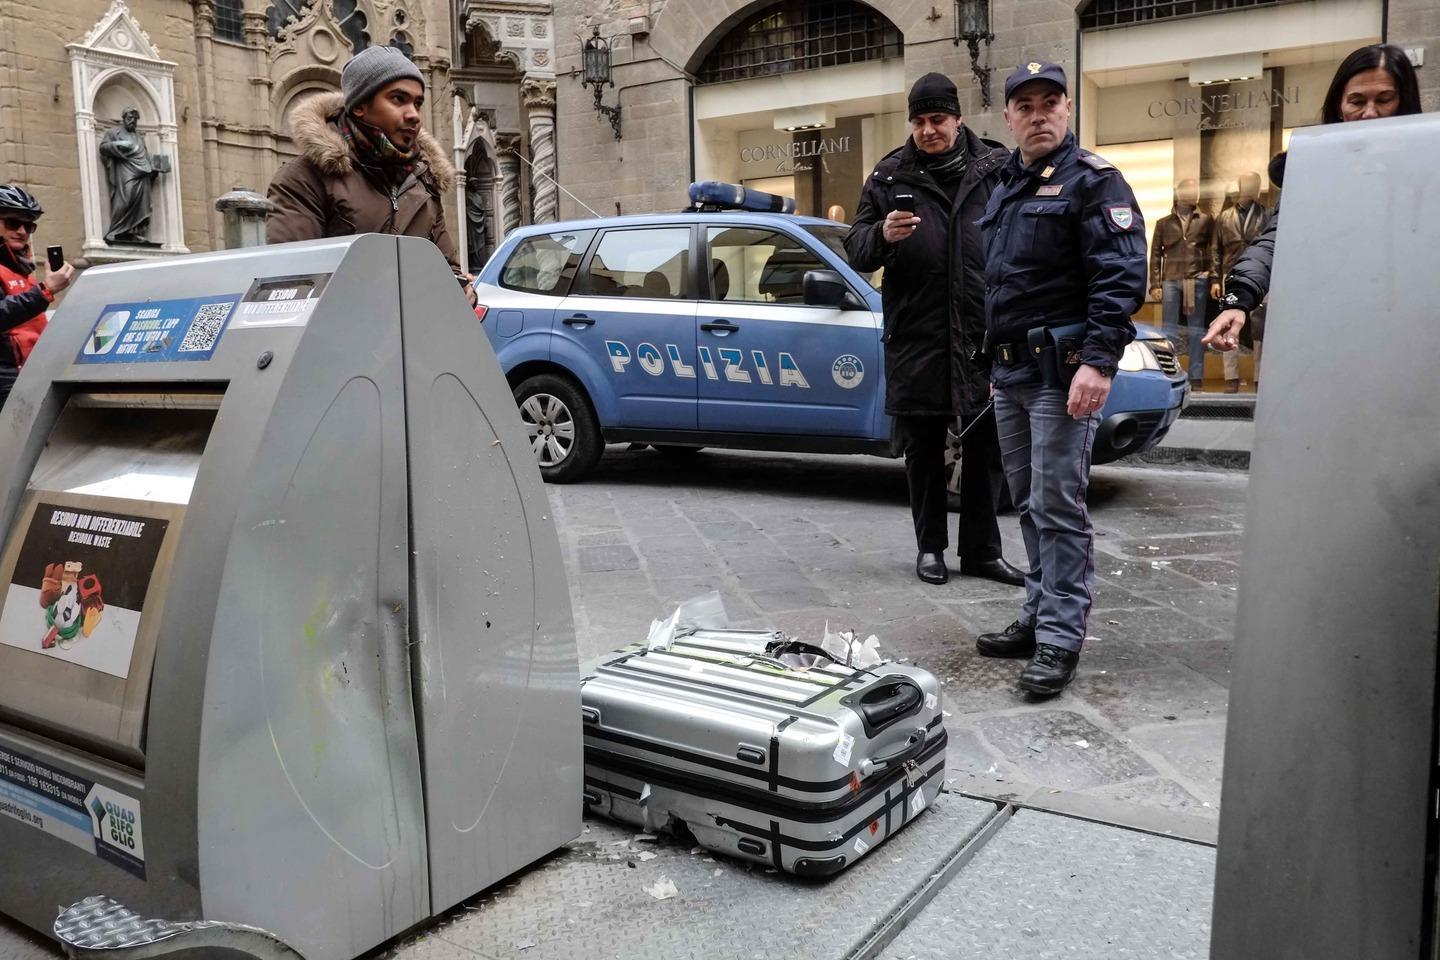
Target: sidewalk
[
  {"x": 966, "y": 879},
  {"x": 795, "y": 542},
  {"x": 1216, "y": 430},
  {"x": 1080, "y": 827}
]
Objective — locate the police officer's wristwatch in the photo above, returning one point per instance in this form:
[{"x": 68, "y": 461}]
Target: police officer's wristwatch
[{"x": 1232, "y": 302}]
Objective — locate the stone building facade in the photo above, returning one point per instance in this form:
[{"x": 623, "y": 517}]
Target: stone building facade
[
  {"x": 691, "y": 109},
  {"x": 214, "y": 82},
  {"x": 504, "y": 134}
]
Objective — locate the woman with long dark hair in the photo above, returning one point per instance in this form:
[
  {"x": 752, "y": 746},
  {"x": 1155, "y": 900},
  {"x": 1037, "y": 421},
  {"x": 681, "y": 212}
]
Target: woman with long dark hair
[{"x": 1373, "y": 82}]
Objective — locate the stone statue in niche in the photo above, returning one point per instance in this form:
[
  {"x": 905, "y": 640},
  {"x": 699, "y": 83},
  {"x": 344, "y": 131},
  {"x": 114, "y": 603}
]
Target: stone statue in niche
[
  {"x": 477, "y": 222},
  {"x": 131, "y": 172}
]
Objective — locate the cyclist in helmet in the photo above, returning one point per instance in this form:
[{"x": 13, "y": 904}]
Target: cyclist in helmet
[{"x": 22, "y": 310}]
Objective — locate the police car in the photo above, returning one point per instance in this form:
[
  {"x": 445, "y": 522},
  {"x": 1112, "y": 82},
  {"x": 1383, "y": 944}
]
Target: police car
[{"x": 732, "y": 324}]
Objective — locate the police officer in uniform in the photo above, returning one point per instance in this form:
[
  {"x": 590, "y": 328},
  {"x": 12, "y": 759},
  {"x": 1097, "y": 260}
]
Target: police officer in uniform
[
  {"x": 916, "y": 218},
  {"x": 1065, "y": 269}
]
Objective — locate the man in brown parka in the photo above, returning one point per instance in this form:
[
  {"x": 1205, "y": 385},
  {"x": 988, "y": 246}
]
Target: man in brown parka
[{"x": 365, "y": 166}]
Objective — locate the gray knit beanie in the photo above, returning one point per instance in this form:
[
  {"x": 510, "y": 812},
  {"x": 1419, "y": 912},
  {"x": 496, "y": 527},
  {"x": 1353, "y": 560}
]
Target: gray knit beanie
[{"x": 373, "y": 68}]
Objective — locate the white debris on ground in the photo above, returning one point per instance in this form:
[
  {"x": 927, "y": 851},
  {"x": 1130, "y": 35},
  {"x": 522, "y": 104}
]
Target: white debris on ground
[{"x": 662, "y": 889}]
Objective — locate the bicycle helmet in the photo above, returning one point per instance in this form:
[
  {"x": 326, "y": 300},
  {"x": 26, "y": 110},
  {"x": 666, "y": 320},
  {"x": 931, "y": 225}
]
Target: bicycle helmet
[{"x": 15, "y": 200}]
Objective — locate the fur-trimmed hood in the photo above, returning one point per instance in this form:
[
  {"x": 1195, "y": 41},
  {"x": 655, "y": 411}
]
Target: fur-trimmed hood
[{"x": 320, "y": 141}]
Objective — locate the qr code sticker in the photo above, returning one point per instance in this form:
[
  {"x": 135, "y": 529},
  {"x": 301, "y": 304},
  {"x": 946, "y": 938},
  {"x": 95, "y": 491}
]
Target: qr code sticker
[{"x": 206, "y": 327}]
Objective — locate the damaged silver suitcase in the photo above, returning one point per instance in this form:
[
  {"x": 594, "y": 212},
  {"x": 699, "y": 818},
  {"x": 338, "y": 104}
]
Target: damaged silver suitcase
[{"x": 760, "y": 754}]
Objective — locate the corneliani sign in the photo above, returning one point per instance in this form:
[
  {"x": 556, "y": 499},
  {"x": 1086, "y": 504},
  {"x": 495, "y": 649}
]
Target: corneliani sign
[
  {"x": 790, "y": 154},
  {"x": 1212, "y": 108}
]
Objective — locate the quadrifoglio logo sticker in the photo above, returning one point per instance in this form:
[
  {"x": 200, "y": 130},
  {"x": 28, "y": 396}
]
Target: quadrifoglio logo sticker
[{"x": 115, "y": 818}]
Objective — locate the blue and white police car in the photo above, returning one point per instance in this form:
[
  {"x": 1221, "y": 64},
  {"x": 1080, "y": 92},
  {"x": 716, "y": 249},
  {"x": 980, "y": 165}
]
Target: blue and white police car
[{"x": 732, "y": 324}]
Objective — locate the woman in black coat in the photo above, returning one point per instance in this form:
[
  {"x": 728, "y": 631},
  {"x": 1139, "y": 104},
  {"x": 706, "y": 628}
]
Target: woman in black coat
[
  {"x": 934, "y": 305},
  {"x": 1373, "y": 82}
]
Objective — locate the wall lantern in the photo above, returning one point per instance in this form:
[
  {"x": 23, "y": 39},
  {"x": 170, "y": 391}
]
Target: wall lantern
[
  {"x": 972, "y": 24},
  {"x": 597, "y": 75}
]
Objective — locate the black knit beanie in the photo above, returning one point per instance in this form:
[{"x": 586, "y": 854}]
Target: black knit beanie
[{"x": 934, "y": 93}]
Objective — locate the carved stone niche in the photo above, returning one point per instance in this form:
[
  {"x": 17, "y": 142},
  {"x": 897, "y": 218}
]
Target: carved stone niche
[{"x": 113, "y": 68}]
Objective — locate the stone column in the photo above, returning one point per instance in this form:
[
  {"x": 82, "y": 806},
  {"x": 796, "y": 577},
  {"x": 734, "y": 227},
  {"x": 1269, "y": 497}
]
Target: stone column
[
  {"x": 539, "y": 96},
  {"x": 507, "y": 146}
]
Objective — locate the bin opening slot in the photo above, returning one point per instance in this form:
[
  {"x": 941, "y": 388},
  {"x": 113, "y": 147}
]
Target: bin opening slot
[
  {"x": 86, "y": 565},
  {"x": 141, "y": 445}
]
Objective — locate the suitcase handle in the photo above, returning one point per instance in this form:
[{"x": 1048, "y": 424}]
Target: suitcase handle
[
  {"x": 881, "y": 709},
  {"x": 913, "y": 746}
]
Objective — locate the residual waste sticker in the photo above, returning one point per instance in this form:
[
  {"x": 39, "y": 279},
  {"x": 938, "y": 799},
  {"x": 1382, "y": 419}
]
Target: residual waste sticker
[
  {"x": 931, "y": 701},
  {"x": 917, "y": 803},
  {"x": 860, "y": 845},
  {"x": 844, "y": 748}
]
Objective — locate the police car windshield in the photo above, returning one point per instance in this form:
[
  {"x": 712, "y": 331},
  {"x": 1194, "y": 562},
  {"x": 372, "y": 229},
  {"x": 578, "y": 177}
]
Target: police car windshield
[{"x": 834, "y": 238}]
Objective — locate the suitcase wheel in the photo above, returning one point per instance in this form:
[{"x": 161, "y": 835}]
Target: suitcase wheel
[{"x": 819, "y": 867}]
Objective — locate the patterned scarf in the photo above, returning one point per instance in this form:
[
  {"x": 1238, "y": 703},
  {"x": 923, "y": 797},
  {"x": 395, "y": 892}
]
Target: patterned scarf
[
  {"x": 947, "y": 168},
  {"x": 375, "y": 151}
]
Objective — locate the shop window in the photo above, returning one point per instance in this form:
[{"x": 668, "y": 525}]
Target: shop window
[
  {"x": 650, "y": 264},
  {"x": 546, "y": 264},
  {"x": 749, "y": 265},
  {"x": 802, "y": 35},
  {"x": 1098, "y": 14},
  {"x": 230, "y": 20},
  {"x": 1198, "y": 157}
]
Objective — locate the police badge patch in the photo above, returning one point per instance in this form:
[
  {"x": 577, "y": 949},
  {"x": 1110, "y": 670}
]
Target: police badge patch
[{"x": 1122, "y": 216}]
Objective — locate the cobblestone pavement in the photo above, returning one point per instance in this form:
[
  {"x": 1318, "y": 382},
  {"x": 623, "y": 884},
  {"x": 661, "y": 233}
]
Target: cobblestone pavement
[{"x": 796, "y": 541}]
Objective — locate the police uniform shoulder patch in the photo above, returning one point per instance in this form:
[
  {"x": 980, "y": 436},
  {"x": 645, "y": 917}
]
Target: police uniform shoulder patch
[
  {"x": 1098, "y": 163},
  {"x": 1121, "y": 215}
]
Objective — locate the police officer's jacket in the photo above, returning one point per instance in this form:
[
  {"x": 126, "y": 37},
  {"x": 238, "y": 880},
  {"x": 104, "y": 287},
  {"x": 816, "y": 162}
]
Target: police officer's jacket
[
  {"x": 934, "y": 284},
  {"x": 1065, "y": 245}
]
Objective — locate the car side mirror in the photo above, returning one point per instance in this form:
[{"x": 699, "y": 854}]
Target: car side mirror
[{"x": 826, "y": 288}]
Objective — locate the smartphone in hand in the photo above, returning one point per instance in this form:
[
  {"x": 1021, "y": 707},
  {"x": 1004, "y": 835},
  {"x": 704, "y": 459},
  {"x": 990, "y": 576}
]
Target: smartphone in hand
[
  {"x": 55, "y": 257},
  {"x": 905, "y": 202}
]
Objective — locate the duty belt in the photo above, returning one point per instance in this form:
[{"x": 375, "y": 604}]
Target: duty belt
[{"x": 1010, "y": 354}]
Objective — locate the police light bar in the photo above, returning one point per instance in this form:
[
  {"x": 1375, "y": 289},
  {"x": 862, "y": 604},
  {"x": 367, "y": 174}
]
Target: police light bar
[{"x": 714, "y": 195}]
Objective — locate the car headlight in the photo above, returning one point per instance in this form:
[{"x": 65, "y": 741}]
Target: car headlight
[{"x": 1137, "y": 357}]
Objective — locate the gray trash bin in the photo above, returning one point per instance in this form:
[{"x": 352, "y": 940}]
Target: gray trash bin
[
  {"x": 284, "y": 632},
  {"x": 1328, "y": 817}
]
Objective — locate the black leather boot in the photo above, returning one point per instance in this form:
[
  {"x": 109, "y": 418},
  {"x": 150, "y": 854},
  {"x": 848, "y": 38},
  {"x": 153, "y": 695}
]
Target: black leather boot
[
  {"x": 1049, "y": 670},
  {"x": 998, "y": 570},
  {"x": 931, "y": 568},
  {"x": 1016, "y": 640}
]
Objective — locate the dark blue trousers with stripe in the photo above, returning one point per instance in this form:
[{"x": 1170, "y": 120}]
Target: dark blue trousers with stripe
[{"x": 1046, "y": 453}]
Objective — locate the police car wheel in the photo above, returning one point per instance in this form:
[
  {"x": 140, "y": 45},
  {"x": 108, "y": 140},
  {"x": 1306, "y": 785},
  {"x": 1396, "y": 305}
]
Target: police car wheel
[
  {"x": 670, "y": 450},
  {"x": 1003, "y": 504},
  {"x": 952, "y": 469},
  {"x": 559, "y": 426}
]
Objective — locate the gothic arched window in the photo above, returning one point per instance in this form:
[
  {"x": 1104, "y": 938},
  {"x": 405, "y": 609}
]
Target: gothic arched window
[
  {"x": 348, "y": 15},
  {"x": 281, "y": 11}
]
